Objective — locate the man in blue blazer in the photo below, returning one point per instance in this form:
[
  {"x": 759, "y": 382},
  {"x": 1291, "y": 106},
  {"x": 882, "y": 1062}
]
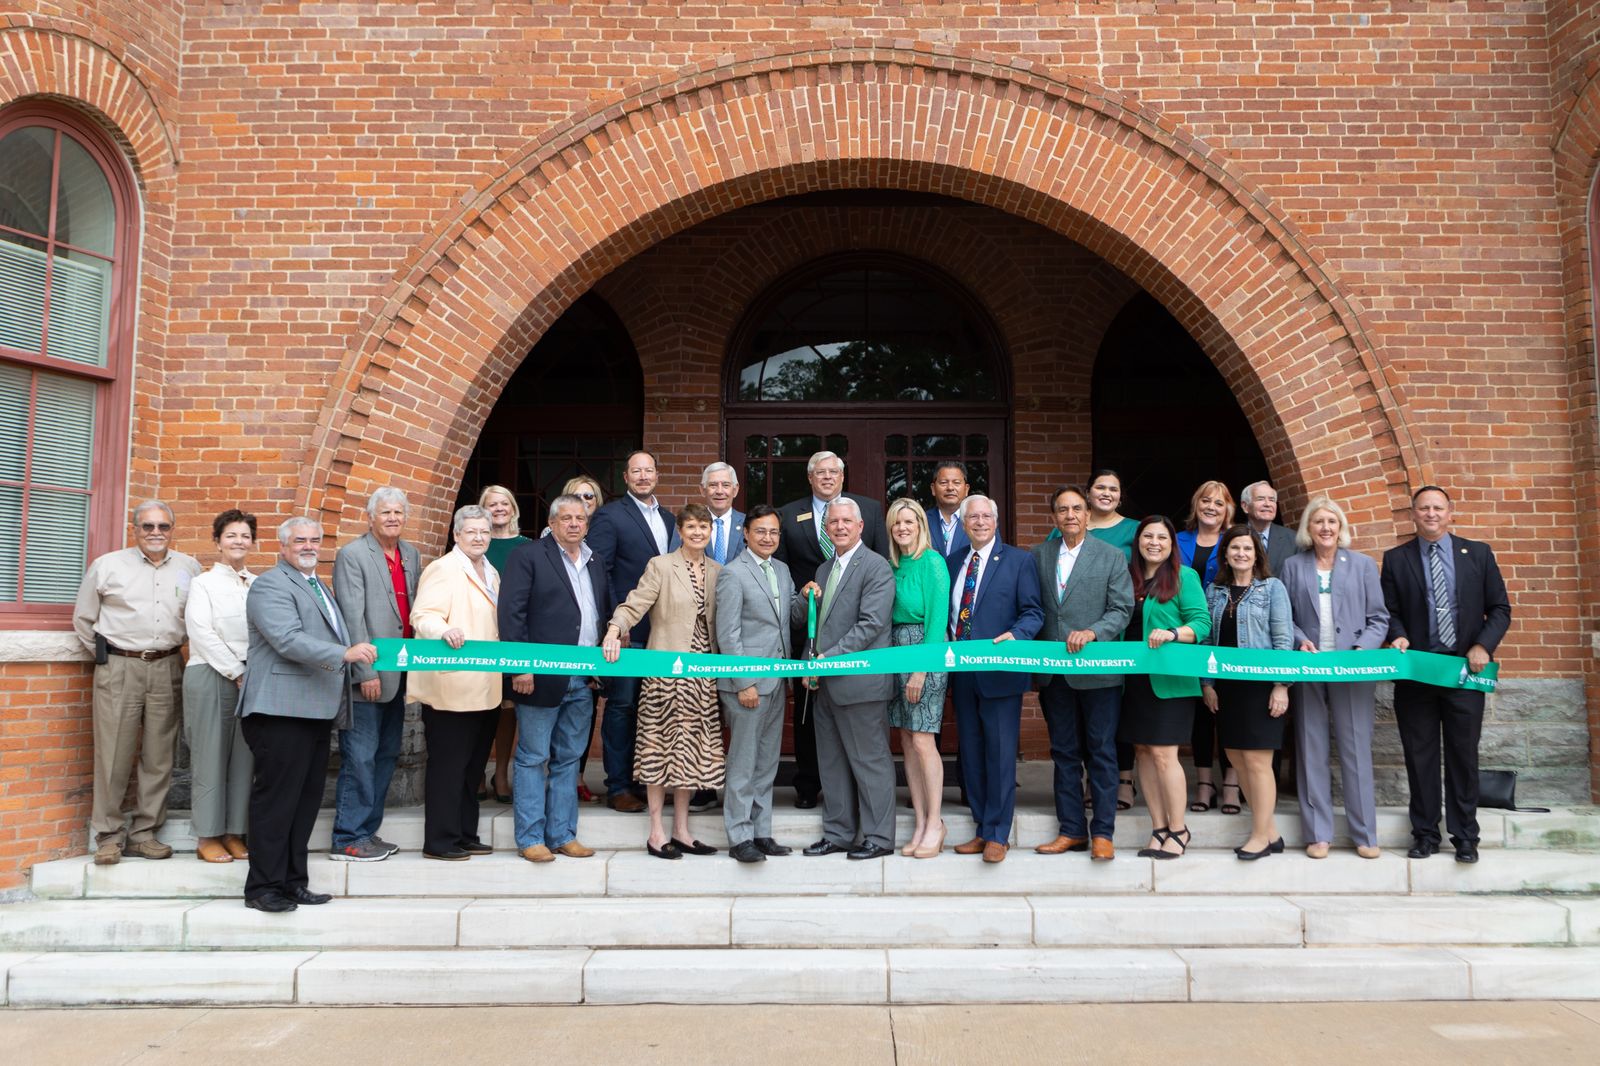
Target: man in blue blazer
[
  {"x": 554, "y": 591},
  {"x": 944, "y": 517},
  {"x": 626, "y": 534},
  {"x": 720, "y": 485},
  {"x": 1444, "y": 594},
  {"x": 994, "y": 596}
]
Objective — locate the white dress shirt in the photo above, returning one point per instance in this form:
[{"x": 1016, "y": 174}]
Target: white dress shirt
[
  {"x": 652, "y": 519},
  {"x": 1065, "y": 561},
  {"x": 958, "y": 581}
]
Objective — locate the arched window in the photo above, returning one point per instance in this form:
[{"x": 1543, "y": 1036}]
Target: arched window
[{"x": 67, "y": 261}]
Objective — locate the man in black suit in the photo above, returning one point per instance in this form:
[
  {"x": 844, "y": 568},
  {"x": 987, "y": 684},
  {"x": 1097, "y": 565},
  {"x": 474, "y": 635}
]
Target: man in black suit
[
  {"x": 1445, "y": 595},
  {"x": 626, "y": 534},
  {"x": 553, "y": 591},
  {"x": 804, "y": 546},
  {"x": 1259, "y": 502}
]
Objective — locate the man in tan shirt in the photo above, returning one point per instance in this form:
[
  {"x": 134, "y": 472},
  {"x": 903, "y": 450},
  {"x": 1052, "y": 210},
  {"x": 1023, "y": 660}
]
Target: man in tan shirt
[{"x": 134, "y": 598}]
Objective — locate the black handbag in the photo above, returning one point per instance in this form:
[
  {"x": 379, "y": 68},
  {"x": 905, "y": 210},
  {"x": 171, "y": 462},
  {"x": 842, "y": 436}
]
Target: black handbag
[{"x": 1498, "y": 789}]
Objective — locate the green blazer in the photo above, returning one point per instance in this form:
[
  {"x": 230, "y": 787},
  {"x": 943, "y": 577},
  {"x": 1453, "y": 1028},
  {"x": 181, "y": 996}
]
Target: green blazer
[{"x": 1187, "y": 608}]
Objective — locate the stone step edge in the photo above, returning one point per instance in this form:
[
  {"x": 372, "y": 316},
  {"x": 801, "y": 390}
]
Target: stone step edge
[{"x": 829, "y": 975}]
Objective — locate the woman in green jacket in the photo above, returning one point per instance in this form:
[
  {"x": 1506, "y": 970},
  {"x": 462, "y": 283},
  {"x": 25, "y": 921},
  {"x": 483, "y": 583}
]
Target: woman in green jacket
[{"x": 1158, "y": 709}]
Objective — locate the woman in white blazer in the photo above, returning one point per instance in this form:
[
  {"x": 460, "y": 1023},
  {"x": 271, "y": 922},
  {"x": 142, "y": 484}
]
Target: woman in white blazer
[{"x": 457, "y": 601}]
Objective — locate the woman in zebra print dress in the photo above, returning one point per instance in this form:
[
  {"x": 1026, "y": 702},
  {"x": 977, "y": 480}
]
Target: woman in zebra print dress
[{"x": 678, "y": 743}]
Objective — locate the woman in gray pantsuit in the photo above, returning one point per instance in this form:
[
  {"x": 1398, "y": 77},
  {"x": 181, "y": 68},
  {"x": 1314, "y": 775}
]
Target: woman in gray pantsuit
[
  {"x": 1337, "y": 605},
  {"x": 219, "y": 759}
]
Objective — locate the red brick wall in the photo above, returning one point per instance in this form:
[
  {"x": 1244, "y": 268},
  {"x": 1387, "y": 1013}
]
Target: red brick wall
[{"x": 46, "y": 763}]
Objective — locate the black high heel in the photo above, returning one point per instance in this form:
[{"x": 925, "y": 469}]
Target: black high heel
[
  {"x": 1133, "y": 790},
  {"x": 1197, "y": 806},
  {"x": 1182, "y": 838},
  {"x": 1231, "y": 808},
  {"x": 1160, "y": 837}
]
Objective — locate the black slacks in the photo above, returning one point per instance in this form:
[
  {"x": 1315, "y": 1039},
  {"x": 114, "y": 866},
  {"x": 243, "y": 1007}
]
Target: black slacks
[
  {"x": 458, "y": 744},
  {"x": 1431, "y": 718},
  {"x": 291, "y": 769}
]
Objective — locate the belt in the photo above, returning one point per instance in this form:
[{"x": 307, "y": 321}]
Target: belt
[{"x": 143, "y": 656}]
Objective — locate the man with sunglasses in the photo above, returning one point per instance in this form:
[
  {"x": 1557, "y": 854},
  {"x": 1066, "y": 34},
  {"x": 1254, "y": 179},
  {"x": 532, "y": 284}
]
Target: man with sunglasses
[{"x": 129, "y": 615}]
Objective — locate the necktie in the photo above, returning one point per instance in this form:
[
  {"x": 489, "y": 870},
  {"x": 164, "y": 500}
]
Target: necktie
[
  {"x": 835, "y": 579},
  {"x": 719, "y": 546},
  {"x": 1441, "y": 597},
  {"x": 824, "y": 540},
  {"x": 1061, "y": 574},
  {"x": 969, "y": 592},
  {"x": 772, "y": 579},
  {"x": 327, "y": 608}
]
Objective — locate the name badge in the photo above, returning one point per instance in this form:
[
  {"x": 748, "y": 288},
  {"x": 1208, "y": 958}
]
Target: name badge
[{"x": 806, "y": 517}]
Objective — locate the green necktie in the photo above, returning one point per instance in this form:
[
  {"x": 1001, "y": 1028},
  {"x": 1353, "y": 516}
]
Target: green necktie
[
  {"x": 772, "y": 579},
  {"x": 826, "y": 542},
  {"x": 834, "y": 580}
]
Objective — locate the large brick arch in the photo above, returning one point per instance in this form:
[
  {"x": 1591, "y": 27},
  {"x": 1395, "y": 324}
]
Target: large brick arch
[{"x": 1080, "y": 160}]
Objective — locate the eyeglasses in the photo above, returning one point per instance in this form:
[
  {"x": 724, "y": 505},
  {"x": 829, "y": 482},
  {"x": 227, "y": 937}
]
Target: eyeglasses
[
  {"x": 584, "y": 495},
  {"x": 156, "y": 527}
]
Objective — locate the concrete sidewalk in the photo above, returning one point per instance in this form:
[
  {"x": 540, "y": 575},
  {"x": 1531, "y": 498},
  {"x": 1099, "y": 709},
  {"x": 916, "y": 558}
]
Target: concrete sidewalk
[{"x": 1235, "y": 1034}]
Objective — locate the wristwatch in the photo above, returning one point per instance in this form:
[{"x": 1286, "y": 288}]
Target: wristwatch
[{"x": 1175, "y": 636}]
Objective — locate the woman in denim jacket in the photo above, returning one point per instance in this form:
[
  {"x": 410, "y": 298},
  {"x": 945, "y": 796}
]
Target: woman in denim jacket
[{"x": 1249, "y": 609}]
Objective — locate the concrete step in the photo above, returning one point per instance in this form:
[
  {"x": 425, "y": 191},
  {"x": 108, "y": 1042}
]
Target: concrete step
[
  {"x": 803, "y": 922},
  {"x": 816, "y": 975},
  {"x": 634, "y": 873},
  {"x": 600, "y": 827}
]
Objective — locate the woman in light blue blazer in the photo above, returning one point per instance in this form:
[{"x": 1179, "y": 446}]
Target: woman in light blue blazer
[{"x": 1337, "y": 605}]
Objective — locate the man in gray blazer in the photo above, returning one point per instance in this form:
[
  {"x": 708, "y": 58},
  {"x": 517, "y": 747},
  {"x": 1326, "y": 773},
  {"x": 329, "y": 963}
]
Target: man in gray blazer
[
  {"x": 1258, "y": 501},
  {"x": 856, "y": 588},
  {"x": 756, "y": 612},
  {"x": 296, "y": 685},
  {"x": 376, "y": 578},
  {"x": 1088, "y": 596}
]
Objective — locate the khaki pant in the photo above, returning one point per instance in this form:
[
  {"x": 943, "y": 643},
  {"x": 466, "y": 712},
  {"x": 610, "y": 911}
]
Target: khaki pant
[{"x": 137, "y": 707}]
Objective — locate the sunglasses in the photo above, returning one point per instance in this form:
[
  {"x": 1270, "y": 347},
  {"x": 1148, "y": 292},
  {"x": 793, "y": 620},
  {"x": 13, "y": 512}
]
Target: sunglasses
[
  {"x": 584, "y": 495},
  {"x": 156, "y": 527}
]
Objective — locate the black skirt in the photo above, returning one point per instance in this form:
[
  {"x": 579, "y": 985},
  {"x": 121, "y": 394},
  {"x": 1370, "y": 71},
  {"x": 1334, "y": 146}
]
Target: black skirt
[
  {"x": 1149, "y": 719},
  {"x": 1243, "y": 722}
]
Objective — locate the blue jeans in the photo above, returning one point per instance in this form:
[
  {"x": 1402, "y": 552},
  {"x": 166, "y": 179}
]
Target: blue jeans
[
  {"x": 544, "y": 772},
  {"x": 617, "y": 733},
  {"x": 1083, "y": 731},
  {"x": 367, "y": 754}
]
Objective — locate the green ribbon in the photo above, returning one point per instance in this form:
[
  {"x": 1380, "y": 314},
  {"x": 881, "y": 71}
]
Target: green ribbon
[{"x": 1016, "y": 656}]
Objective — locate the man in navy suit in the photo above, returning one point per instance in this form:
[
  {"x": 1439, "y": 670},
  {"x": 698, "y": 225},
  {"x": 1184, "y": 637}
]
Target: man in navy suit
[
  {"x": 803, "y": 546},
  {"x": 944, "y": 518},
  {"x": 626, "y": 534},
  {"x": 1444, "y": 594},
  {"x": 554, "y": 591},
  {"x": 719, "y": 485},
  {"x": 994, "y": 596}
]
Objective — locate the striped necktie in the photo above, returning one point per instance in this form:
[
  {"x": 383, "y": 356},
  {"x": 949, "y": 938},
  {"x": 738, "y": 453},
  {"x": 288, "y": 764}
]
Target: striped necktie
[{"x": 1445, "y": 617}]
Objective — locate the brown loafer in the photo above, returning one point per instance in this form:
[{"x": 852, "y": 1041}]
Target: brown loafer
[
  {"x": 538, "y": 853},
  {"x": 1061, "y": 844},
  {"x": 148, "y": 849},
  {"x": 1101, "y": 850},
  {"x": 212, "y": 851},
  {"x": 108, "y": 854},
  {"x": 235, "y": 846},
  {"x": 574, "y": 850},
  {"x": 994, "y": 851},
  {"x": 971, "y": 847},
  {"x": 626, "y": 802}
]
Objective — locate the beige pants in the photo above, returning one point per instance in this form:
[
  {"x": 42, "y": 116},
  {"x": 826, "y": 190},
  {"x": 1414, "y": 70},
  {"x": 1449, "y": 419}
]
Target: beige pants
[{"x": 137, "y": 707}]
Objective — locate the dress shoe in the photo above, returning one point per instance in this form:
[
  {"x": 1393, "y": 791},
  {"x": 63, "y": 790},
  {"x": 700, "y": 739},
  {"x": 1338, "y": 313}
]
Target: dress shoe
[
  {"x": 271, "y": 902},
  {"x": 477, "y": 847},
  {"x": 768, "y": 846},
  {"x": 704, "y": 799},
  {"x": 1063, "y": 843},
  {"x": 108, "y": 854},
  {"x": 1251, "y": 856},
  {"x": 869, "y": 851},
  {"x": 805, "y": 803},
  {"x": 538, "y": 853},
  {"x": 1421, "y": 849},
  {"x": 148, "y": 849},
  {"x": 212, "y": 851},
  {"x": 1317, "y": 849},
  {"x": 694, "y": 847},
  {"x": 746, "y": 851},
  {"x": 235, "y": 846},
  {"x": 453, "y": 855},
  {"x": 1369, "y": 851},
  {"x": 309, "y": 898},
  {"x": 574, "y": 850},
  {"x": 931, "y": 849},
  {"x": 824, "y": 847},
  {"x": 626, "y": 802},
  {"x": 1466, "y": 853},
  {"x": 994, "y": 851},
  {"x": 669, "y": 850},
  {"x": 1102, "y": 850},
  {"x": 971, "y": 847}
]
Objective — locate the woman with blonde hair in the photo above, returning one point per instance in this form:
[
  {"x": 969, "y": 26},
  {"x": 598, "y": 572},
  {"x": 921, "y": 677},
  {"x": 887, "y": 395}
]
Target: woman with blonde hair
[
  {"x": 921, "y": 616},
  {"x": 1211, "y": 510},
  {"x": 1336, "y": 602}
]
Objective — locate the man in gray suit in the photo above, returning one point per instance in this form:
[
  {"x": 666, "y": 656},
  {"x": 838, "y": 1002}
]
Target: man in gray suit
[
  {"x": 1088, "y": 596},
  {"x": 376, "y": 578},
  {"x": 756, "y": 612},
  {"x": 296, "y": 684},
  {"x": 1259, "y": 503},
  {"x": 857, "y": 601}
]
